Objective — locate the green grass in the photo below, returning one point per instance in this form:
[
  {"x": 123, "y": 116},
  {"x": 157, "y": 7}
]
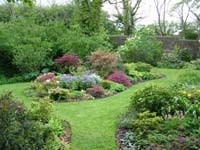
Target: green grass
[{"x": 94, "y": 123}]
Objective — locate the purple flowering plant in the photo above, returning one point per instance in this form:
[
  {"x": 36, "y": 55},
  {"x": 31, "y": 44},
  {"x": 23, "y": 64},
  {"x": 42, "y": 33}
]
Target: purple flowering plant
[{"x": 79, "y": 82}]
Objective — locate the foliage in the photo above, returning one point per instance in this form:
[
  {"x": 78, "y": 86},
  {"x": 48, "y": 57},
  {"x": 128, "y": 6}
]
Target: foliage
[
  {"x": 143, "y": 67},
  {"x": 15, "y": 79},
  {"x": 163, "y": 101},
  {"x": 113, "y": 86},
  {"x": 141, "y": 48},
  {"x": 146, "y": 121},
  {"x": 119, "y": 77},
  {"x": 170, "y": 60},
  {"x": 185, "y": 55},
  {"x": 96, "y": 91},
  {"x": 20, "y": 128},
  {"x": 66, "y": 95},
  {"x": 103, "y": 62},
  {"x": 189, "y": 76},
  {"x": 67, "y": 62},
  {"x": 196, "y": 63},
  {"x": 41, "y": 111},
  {"x": 136, "y": 76}
]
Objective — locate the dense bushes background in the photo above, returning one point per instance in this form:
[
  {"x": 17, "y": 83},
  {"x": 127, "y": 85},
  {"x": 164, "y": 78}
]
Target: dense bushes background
[{"x": 32, "y": 37}]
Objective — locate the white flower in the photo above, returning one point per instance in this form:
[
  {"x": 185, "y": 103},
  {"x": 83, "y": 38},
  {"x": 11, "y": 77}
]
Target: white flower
[{"x": 48, "y": 80}]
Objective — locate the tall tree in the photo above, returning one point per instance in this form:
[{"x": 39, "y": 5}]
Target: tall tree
[
  {"x": 182, "y": 14},
  {"x": 161, "y": 9},
  {"x": 127, "y": 13},
  {"x": 88, "y": 15},
  {"x": 194, "y": 7}
]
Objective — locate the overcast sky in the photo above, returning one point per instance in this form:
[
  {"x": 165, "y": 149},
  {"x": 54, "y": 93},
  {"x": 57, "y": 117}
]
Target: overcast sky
[{"x": 147, "y": 10}]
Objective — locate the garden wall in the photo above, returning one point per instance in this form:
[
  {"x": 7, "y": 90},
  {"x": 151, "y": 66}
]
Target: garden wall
[{"x": 168, "y": 43}]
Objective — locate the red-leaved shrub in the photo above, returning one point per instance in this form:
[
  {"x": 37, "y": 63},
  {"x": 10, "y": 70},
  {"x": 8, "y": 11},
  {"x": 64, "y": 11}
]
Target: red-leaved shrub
[
  {"x": 96, "y": 91},
  {"x": 67, "y": 59},
  {"x": 47, "y": 77},
  {"x": 119, "y": 77},
  {"x": 103, "y": 62}
]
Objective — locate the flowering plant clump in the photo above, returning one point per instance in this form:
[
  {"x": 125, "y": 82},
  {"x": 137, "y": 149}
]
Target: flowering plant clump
[
  {"x": 119, "y": 77},
  {"x": 96, "y": 91},
  {"x": 69, "y": 81},
  {"x": 47, "y": 77},
  {"x": 79, "y": 82}
]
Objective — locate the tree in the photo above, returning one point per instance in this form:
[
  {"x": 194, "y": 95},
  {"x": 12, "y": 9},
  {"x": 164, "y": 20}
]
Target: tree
[
  {"x": 183, "y": 14},
  {"x": 194, "y": 7},
  {"x": 161, "y": 9},
  {"x": 30, "y": 2},
  {"x": 127, "y": 15},
  {"x": 88, "y": 15}
]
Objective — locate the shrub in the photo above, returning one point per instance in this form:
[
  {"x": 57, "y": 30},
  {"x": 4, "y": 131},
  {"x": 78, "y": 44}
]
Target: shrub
[
  {"x": 47, "y": 77},
  {"x": 162, "y": 101},
  {"x": 146, "y": 121},
  {"x": 59, "y": 94},
  {"x": 81, "y": 44},
  {"x": 170, "y": 60},
  {"x": 96, "y": 91},
  {"x": 190, "y": 77},
  {"x": 103, "y": 62},
  {"x": 33, "y": 56},
  {"x": 185, "y": 55},
  {"x": 143, "y": 67},
  {"x": 119, "y": 77},
  {"x": 88, "y": 80},
  {"x": 67, "y": 62},
  {"x": 24, "y": 129},
  {"x": 196, "y": 63},
  {"x": 141, "y": 48},
  {"x": 113, "y": 86}
]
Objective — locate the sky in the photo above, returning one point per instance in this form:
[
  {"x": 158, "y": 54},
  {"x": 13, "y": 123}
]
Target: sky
[{"x": 147, "y": 10}]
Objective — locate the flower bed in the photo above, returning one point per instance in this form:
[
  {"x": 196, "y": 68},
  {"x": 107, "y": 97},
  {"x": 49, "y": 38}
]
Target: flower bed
[
  {"x": 162, "y": 118},
  {"x": 75, "y": 84}
]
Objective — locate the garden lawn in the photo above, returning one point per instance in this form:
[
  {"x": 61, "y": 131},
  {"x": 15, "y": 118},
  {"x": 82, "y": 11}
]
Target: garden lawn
[{"x": 94, "y": 123}]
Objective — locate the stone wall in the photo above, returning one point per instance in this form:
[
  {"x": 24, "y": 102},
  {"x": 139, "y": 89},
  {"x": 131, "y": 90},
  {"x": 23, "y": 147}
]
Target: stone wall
[{"x": 168, "y": 43}]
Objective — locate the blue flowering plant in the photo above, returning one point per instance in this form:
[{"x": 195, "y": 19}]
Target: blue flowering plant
[{"x": 80, "y": 82}]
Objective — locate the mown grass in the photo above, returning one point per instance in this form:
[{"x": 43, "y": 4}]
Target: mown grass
[{"x": 94, "y": 123}]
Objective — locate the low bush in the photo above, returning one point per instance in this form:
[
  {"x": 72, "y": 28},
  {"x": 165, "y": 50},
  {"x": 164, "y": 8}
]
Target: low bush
[
  {"x": 119, "y": 77},
  {"x": 196, "y": 63},
  {"x": 103, "y": 62},
  {"x": 170, "y": 60},
  {"x": 96, "y": 91},
  {"x": 189, "y": 76},
  {"x": 112, "y": 86},
  {"x": 28, "y": 129},
  {"x": 185, "y": 55},
  {"x": 141, "y": 48},
  {"x": 143, "y": 67},
  {"x": 162, "y": 101}
]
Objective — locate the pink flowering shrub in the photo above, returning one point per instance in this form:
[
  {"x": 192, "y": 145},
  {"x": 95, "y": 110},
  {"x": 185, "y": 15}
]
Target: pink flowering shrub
[
  {"x": 119, "y": 77},
  {"x": 96, "y": 91},
  {"x": 47, "y": 77}
]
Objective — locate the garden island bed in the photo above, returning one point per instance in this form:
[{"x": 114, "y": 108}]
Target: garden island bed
[{"x": 97, "y": 81}]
